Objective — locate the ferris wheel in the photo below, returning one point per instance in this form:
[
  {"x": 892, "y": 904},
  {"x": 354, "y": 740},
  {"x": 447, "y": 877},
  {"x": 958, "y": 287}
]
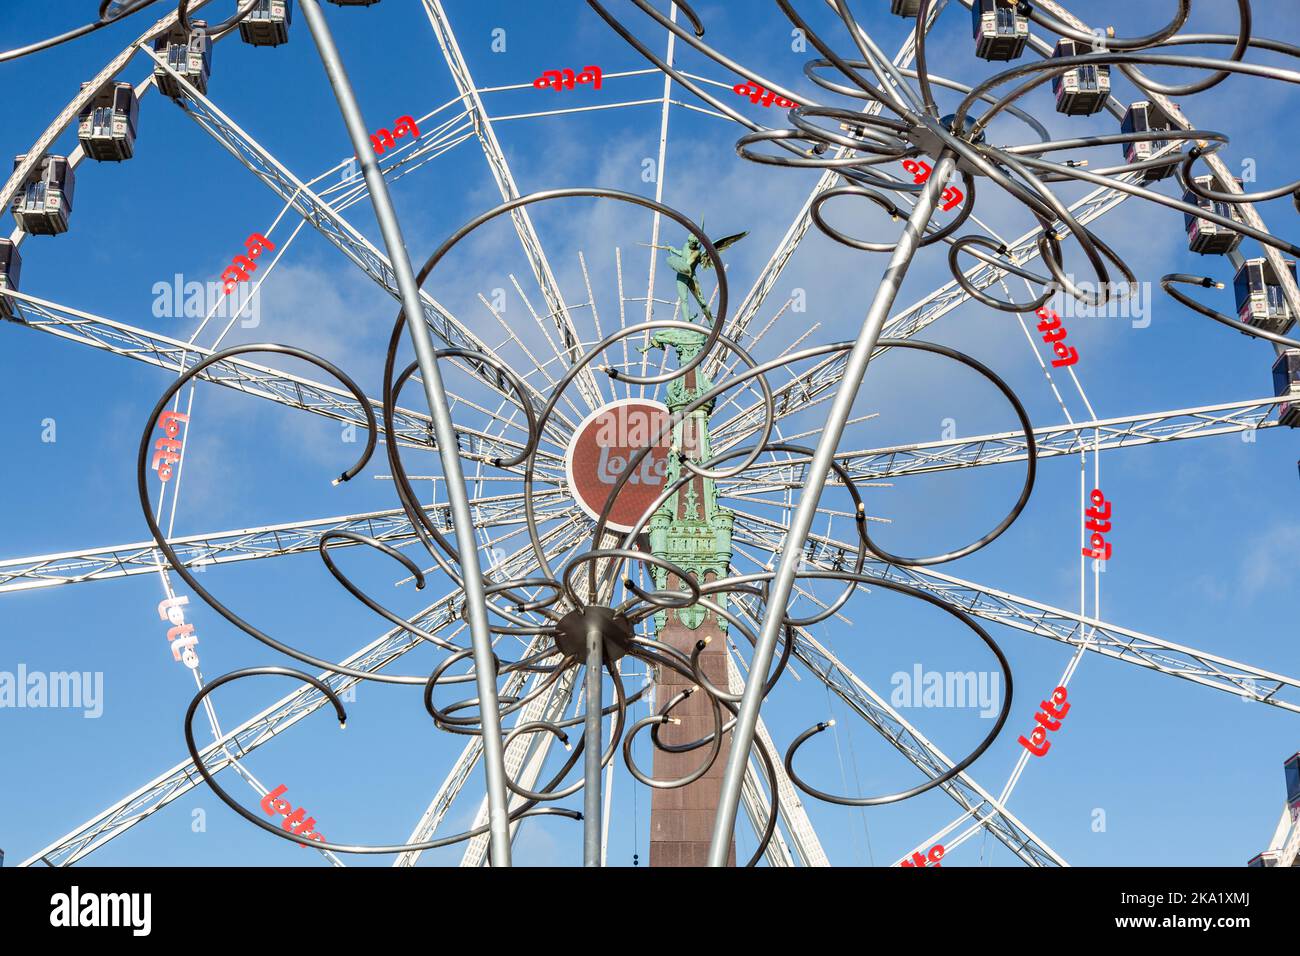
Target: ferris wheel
[{"x": 653, "y": 489}]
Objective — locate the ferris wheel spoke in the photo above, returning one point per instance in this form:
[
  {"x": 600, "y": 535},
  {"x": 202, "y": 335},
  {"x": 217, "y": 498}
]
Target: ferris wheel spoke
[
  {"x": 537, "y": 367},
  {"x": 532, "y": 245},
  {"x": 914, "y": 746},
  {"x": 808, "y": 388},
  {"x": 127, "y": 341},
  {"x": 793, "y": 346},
  {"x": 799, "y": 589},
  {"x": 402, "y": 161},
  {"x": 548, "y": 707},
  {"x": 524, "y": 757},
  {"x": 1050, "y": 442},
  {"x": 784, "y": 252},
  {"x": 200, "y": 551},
  {"x": 1044, "y": 620},
  {"x": 554, "y": 429},
  {"x": 661, "y": 162},
  {"x": 289, "y": 710},
  {"x": 562, "y": 356},
  {"x": 70, "y": 112},
  {"x": 330, "y": 223},
  {"x": 183, "y": 777},
  {"x": 454, "y": 783},
  {"x": 814, "y": 383}
]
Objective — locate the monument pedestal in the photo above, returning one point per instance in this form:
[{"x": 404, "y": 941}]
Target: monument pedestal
[{"x": 681, "y": 820}]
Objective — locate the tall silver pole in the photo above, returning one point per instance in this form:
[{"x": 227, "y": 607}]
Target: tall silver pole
[
  {"x": 475, "y": 605},
  {"x": 591, "y": 751},
  {"x": 814, "y": 483}
]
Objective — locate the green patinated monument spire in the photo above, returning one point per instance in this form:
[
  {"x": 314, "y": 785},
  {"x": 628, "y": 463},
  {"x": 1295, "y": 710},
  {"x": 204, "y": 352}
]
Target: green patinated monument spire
[
  {"x": 693, "y": 532},
  {"x": 691, "y": 529}
]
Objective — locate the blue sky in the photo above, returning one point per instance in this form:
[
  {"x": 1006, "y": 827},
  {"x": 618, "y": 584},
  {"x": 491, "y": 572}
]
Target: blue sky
[{"x": 1204, "y": 530}]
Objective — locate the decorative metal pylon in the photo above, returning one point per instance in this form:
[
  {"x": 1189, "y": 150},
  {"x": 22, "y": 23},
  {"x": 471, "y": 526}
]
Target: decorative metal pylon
[{"x": 693, "y": 532}]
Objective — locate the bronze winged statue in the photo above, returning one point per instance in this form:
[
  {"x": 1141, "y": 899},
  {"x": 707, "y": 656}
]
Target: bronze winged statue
[{"x": 686, "y": 261}]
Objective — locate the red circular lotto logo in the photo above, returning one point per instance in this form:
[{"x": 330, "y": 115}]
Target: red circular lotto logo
[{"x": 602, "y": 449}]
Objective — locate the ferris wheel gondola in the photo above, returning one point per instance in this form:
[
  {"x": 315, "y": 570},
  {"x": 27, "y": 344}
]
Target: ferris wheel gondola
[
  {"x": 267, "y": 24},
  {"x": 43, "y": 205},
  {"x": 107, "y": 126},
  {"x": 1204, "y": 236},
  {"x": 1261, "y": 302},
  {"x": 1001, "y": 28},
  {"x": 188, "y": 53},
  {"x": 1081, "y": 90}
]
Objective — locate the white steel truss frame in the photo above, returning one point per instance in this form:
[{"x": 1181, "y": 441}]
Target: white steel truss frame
[
  {"x": 1035, "y": 617},
  {"x": 96, "y": 564},
  {"x": 127, "y": 341},
  {"x": 918, "y": 750},
  {"x": 528, "y": 239},
  {"x": 1050, "y": 442},
  {"x": 203, "y": 550},
  {"x": 330, "y": 223},
  {"x": 289, "y": 710},
  {"x": 927, "y": 457}
]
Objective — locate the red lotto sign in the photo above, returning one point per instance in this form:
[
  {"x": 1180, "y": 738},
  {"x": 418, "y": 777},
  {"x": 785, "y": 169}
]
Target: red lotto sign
[{"x": 601, "y": 450}]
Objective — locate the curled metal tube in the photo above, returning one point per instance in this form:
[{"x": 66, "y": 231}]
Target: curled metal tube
[
  {"x": 442, "y": 715},
  {"x": 1148, "y": 85},
  {"x": 664, "y": 717},
  {"x": 1155, "y": 38},
  {"x": 862, "y": 148},
  {"x": 660, "y": 599},
  {"x": 1189, "y": 182},
  {"x": 618, "y": 709},
  {"x": 979, "y": 295},
  {"x": 1181, "y": 278},
  {"x": 1031, "y": 458},
  {"x": 173, "y": 558},
  {"x": 103, "y": 20},
  {"x": 1060, "y": 64},
  {"x": 215, "y": 30},
  {"x": 931, "y": 236},
  {"x": 356, "y": 592},
  {"x": 527, "y": 809},
  {"x": 885, "y": 145},
  {"x": 955, "y": 769}
]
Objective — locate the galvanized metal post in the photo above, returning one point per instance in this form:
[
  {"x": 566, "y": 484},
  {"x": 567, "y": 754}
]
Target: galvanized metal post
[
  {"x": 592, "y": 750},
  {"x": 444, "y": 433},
  {"x": 814, "y": 483}
]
